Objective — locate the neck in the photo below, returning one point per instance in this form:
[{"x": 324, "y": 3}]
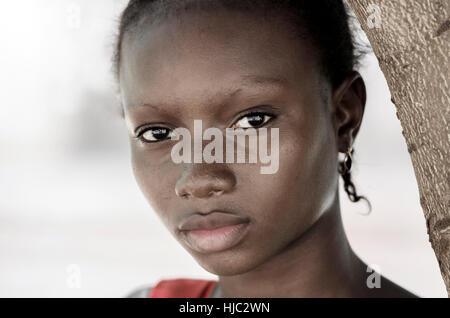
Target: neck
[{"x": 320, "y": 263}]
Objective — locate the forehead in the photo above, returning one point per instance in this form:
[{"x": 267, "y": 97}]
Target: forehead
[{"x": 201, "y": 54}]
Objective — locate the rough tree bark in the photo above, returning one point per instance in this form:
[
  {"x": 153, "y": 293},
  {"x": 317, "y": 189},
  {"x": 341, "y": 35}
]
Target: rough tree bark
[{"x": 412, "y": 44}]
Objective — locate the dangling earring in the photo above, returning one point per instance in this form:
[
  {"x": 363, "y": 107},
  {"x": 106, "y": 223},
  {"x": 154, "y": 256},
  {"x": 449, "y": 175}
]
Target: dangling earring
[{"x": 347, "y": 163}]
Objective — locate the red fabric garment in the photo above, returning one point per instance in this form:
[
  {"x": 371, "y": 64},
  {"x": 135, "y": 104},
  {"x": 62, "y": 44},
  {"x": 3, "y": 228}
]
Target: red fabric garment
[{"x": 183, "y": 288}]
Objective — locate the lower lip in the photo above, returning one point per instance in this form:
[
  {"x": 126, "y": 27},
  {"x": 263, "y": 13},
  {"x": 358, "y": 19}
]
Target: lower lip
[{"x": 215, "y": 240}]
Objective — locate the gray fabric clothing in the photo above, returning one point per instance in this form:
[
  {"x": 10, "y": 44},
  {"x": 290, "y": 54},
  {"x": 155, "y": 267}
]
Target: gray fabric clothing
[{"x": 142, "y": 292}]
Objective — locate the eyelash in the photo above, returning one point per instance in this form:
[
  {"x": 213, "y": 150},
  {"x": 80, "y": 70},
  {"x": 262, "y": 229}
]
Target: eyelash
[
  {"x": 256, "y": 113},
  {"x": 142, "y": 131}
]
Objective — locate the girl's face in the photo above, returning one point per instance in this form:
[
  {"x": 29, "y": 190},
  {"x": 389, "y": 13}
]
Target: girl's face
[{"x": 213, "y": 67}]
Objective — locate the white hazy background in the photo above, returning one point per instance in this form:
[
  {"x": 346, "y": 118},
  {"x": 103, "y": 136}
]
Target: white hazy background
[{"x": 73, "y": 222}]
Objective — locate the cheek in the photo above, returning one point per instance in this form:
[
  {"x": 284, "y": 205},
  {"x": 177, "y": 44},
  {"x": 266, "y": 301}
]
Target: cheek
[
  {"x": 308, "y": 170},
  {"x": 155, "y": 176},
  {"x": 284, "y": 194},
  {"x": 293, "y": 198}
]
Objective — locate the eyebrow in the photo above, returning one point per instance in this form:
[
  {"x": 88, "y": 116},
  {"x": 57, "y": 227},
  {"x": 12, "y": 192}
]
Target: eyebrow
[
  {"x": 260, "y": 79},
  {"x": 246, "y": 80}
]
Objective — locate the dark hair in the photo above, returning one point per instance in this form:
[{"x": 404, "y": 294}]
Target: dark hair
[
  {"x": 325, "y": 22},
  {"x": 349, "y": 187}
]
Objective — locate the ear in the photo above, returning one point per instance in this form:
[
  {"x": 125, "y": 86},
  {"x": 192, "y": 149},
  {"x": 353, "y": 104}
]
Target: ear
[{"x": 349, "y": 100}]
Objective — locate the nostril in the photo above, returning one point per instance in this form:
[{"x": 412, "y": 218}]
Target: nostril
[
  {"x": 185, "y": 195},
  {"x": 217, "y": 192},
  {"x": 182, "y": 193}
]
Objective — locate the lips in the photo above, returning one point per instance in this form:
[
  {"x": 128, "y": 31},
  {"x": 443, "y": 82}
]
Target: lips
[
  {"x": 213, "y": 220},
  {"x": 214, "y": 232}
]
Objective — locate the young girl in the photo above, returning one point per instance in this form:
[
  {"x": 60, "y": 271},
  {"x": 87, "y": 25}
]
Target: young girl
[{"x": 245, "y": 64}]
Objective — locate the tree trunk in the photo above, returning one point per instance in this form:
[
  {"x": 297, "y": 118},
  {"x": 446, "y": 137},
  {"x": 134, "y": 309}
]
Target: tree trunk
[{"x": 411, "y": 39}]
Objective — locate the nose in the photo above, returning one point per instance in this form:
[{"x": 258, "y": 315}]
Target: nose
[{"x": 203, "y": 180}]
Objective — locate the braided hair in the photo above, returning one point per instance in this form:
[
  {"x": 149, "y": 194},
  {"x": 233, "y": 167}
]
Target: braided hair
[{"x": 349, "y": 187}]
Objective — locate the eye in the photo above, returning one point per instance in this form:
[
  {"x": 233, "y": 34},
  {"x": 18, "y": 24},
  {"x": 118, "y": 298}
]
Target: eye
[
  {"x": 253, "y": 120},
  {"x": 154, "y": 134}
]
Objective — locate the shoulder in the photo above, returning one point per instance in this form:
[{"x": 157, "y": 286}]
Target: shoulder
[
  {"x": 389, "y": 289},
  {"x": 377, "y": 285},
  {"x": 140, "y": 292}
]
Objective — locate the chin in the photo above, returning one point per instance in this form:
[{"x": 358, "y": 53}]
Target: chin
[{"x": 228, "y": 263}]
